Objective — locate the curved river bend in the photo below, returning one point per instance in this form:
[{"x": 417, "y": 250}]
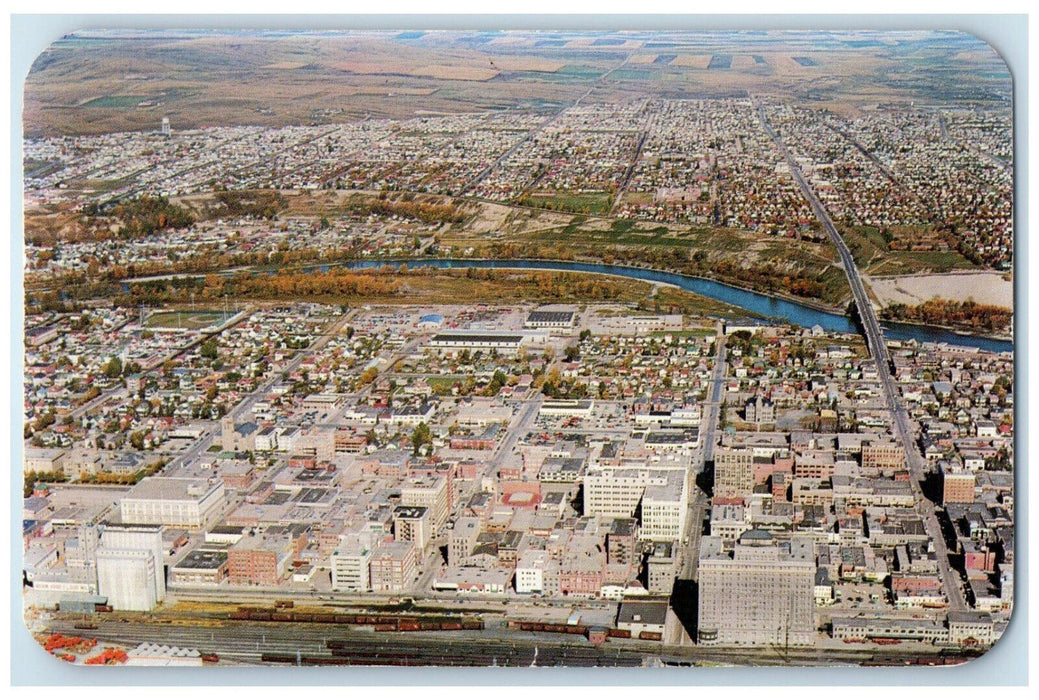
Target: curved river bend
[{"x": 760, "y": 304}]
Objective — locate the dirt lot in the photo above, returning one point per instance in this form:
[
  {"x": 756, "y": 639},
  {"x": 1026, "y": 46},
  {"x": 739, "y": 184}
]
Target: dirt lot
[{"x": 982, "y": 287}]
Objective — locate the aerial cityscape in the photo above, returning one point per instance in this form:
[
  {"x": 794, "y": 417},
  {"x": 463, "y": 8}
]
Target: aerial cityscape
[{"x": 518, "y": 348}]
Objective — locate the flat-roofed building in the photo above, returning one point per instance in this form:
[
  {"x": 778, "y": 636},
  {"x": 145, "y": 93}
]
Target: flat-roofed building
[
  {"x": 971, "y": 628},
  {"x": 733, "y": 472},
  {"x": 413, "y": 524},
  {"x": 127, "y": 577},
  {"x": 474, "y": 580},
  {"x": 662, "y": 567},
  {"x": 43, "y": 459},
  {"x": 200, "y": 567},
  {"x": 462, "y": 539},
  {"x": 530, "y": 571},
  {"x": 141, "y": 538},
  {"x": 327, "y": 403},
  {"x": 456, "y": 341},
  {"x": 582, "y": 567},
  {"x": 883, "y": 455},
  {"x": 224, "y": 534},
  {"x": 191, "y": 503},
  {"x": 664, "y": 508},
  {"x": 263, "y": 558},
  {"x": 350, "y": 564},
  {"x": 642, "y": 614},
  {"x": 480, "y": 412},
  {"x": 760, "y": 594},
  {"x": 575, "y": 408},
  {"x": 729, "y": 521},
  {"x": 957, "y": 483},
  {"x": 429, "y": 491},
  {"x": 615, "y": 491},
  {"x": 390, "y": 463},
  {"x": 266, "y": 439},
  {"x": 393, "y": 567},
  {"x": 561, "y": 470},
  {"x": 621, "y": 539},
  {"x": 917, "y": 629}
]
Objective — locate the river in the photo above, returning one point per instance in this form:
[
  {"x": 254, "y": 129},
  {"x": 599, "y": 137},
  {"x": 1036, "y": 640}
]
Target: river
[{"x": 760, "y": 304}]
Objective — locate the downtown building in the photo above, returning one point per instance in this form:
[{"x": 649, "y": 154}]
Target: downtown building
[
  {"x": 659, "y": 489},
  {"x": 174, "y": 502},
  {"x": 759, "y": 594},
  {"x": 130, "y": 571},
  {"x": 733, "y": 472}
]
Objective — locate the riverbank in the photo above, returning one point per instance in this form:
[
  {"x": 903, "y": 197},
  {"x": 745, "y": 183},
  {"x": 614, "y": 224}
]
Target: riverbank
[
  {"x": 790, "y": 298},
  {"x": 988, "y": 287},
  {"x": 961, "y": 332},
  {"x": 762, "y": 304}
]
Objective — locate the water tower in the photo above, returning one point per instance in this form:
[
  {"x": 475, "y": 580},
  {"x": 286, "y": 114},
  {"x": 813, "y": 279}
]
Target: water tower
[{"x": 166, "y": 127}]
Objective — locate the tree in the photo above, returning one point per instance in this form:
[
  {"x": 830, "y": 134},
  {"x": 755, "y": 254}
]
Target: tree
[
  {"x": 209, "y": 349},
  {"x": 422, "y": 435},
  {"x": 113, "y": 368},
  {"x": 137, "y": 439},
  {"x": 496, "y": 383},
  {"x": 45, "y": 421},
  {"x": 368, "y": 376}
]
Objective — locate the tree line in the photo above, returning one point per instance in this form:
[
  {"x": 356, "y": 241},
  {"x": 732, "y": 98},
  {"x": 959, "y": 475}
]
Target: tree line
[{"x": 947, "y": 312}]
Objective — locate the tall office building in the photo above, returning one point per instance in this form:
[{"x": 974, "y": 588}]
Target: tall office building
[
  {"x": 759, "y": 594},
  {"x": 350, "y": 564},
  {"x": 733, "y": 472},
  {"x": 615, "y": 491}
]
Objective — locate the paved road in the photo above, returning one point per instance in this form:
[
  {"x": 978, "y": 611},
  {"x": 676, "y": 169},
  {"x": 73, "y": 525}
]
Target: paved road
[
  {"x": 869, "y": 154},
  {"x": 245, "y": 405},
  {"x": 710, "y": 420},
  {"x": 697, "y": 512},
  {"x": 521, "y": 425},
  {"x": 878, "y": 350},
  {"x": 643, "y": 135},
  {"x": 121, "y": 391},
  {"x": 530, "y": 134}
]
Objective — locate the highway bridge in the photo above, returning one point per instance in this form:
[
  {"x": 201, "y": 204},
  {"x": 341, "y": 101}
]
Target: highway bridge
[{"x": 878, "y": 350}]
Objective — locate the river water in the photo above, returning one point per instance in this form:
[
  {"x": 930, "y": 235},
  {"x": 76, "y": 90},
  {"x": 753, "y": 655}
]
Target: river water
[{"x": 760, "y": 304}]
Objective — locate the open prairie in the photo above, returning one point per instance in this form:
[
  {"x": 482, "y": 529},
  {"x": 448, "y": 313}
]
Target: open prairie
[{"x": 95, "y": 82}]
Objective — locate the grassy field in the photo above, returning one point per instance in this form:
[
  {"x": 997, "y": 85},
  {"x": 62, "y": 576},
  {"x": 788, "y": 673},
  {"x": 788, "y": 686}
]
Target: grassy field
[
  {"x": 584, "y": 203},
  {"x": 115, "y": 101},
  {"x": 934, "y": 261},
  {"x": 672, "y": 300},
  {"x": 191, "y": 320}
]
